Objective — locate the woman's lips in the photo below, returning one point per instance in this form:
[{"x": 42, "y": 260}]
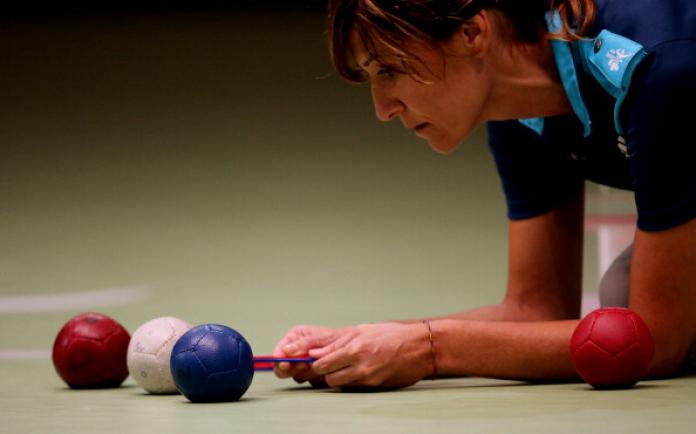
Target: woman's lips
[{"x": 420, "y": 129}]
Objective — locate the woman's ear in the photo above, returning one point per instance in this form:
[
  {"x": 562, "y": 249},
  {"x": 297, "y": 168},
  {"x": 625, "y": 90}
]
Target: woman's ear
[{"x": 474, "y": 34}]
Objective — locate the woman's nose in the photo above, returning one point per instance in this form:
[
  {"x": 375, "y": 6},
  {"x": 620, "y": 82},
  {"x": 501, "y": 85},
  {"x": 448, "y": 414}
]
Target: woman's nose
[{"x": 387, "y": 107}]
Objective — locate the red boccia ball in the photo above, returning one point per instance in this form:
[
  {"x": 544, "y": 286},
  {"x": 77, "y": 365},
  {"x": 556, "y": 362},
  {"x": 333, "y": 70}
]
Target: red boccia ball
[
  {"x": 612, "y": 348},
  {"x": 90, "y": 352}
]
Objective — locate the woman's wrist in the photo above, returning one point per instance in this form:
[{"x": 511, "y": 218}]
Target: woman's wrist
[{"x": 433, "y": 350}]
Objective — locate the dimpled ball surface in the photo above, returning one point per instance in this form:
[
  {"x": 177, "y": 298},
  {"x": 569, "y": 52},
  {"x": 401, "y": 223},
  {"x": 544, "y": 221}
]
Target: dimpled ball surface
[
  {"x": 90, "y": 352},
  {"x": 212, "y": 363},
  {"x": 612, "y": 348},
  {"x": 150, "y": 350}
]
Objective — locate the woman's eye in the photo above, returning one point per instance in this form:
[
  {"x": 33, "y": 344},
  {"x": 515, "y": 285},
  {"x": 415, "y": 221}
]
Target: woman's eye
[{"x": 388, "y": 72}]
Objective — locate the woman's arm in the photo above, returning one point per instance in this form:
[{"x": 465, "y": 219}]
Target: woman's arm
[
  {"x": 663, "y": 292},
  {"x": 544, "y": 268},
  {"x": 517, "y": 339},
  {"x": 542, "y": 299},
  {"x": 535, "y": 320}
]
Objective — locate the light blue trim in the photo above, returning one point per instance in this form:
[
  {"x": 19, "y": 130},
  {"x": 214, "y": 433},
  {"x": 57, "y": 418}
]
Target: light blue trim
[
  {"x": 612, "y": 60},
  {"x": 625, "y": 83},
  {"x": 535, "y": 124},
  {"x": 566, "y": 69},
  {"x": 567, "y": 72},
  {"x": 609, "y": 57}
]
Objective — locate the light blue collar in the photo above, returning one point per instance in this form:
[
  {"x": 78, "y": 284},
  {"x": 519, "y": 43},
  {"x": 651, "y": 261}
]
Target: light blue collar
[{"x": 566, "y": 69}]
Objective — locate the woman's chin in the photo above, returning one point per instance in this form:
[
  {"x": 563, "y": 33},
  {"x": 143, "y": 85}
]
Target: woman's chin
[{"x": 443, "y": 146}]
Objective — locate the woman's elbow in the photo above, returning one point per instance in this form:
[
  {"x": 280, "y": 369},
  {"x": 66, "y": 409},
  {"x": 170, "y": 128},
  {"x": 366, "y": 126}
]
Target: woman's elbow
[{"x": 672, "y": 349}]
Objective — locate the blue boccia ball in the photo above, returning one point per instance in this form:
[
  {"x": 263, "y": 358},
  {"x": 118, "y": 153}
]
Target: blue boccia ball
[{"x": 212, "y": 363}]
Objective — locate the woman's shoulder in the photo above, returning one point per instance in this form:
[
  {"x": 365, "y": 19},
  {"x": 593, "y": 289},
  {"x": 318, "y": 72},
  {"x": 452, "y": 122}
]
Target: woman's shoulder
[{"x": 648, "y": 22}]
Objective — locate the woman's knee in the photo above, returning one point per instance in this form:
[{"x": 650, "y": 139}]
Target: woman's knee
[{"x": 614, "y": 284}]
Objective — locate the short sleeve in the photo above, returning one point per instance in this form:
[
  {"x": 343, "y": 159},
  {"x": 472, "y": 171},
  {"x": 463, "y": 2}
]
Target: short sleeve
[
  {"x": 658, "y": 119},
  {"x": 538, "y": 174}
]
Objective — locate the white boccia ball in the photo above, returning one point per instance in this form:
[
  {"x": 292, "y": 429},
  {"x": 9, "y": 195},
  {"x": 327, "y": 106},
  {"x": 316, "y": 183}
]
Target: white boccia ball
[{"x": 149, "y": 351}]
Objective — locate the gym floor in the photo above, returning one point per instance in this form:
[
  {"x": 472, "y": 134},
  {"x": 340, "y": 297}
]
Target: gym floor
[{"x": 209, "y": 165}]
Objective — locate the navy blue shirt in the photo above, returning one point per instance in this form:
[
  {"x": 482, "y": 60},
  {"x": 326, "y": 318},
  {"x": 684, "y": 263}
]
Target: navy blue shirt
[{"x": 631, "y": 86}]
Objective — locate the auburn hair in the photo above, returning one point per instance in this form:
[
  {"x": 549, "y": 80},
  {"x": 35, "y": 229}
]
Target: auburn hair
[{"x": 392, "y": 24}]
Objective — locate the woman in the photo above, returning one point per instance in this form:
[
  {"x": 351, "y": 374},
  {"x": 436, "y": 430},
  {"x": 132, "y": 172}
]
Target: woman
[{"x": 570, "y": 90}]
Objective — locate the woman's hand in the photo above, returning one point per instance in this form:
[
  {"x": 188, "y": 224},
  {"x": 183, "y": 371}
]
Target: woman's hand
[
  {"x": 288, "y": 347},
  {"x": 379, "y": 356}
]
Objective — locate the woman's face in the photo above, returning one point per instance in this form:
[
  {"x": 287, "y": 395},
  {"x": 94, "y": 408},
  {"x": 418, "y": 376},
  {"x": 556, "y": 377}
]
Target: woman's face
[{"x": 444, "y": 107}]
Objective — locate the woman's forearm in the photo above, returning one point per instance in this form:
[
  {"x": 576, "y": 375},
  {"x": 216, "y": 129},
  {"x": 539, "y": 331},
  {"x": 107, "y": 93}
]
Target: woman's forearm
[
  {"x": 494, "y": 312},
  {"x": 530, "y": 351}
]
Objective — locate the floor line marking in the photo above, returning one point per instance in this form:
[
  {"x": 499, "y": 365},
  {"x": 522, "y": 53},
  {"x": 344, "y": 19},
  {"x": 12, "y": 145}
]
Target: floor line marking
[
  {"x": 73, "y": 300},
  {"x": 19, "y": 354}
]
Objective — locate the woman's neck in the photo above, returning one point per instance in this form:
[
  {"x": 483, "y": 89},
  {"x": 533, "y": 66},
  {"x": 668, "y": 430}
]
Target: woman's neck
[{"x": 527, "y": 84}]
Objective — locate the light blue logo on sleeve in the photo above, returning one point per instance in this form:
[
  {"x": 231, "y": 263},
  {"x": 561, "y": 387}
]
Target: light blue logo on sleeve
[
  {"x": 612, "y": 60},
  {"x": 616, "y": 58}
]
